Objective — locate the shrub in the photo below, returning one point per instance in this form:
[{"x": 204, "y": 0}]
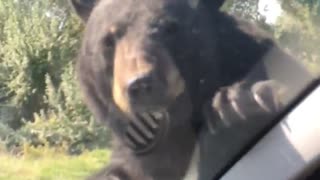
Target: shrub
[{"x": 38, "y": 40}]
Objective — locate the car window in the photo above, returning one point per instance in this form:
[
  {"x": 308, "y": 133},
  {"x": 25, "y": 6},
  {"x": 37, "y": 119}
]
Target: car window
[
  {"x": 148, "y": 89},
  {"x": 290, "y": 150},
  {"x": 279, "y": 20}
]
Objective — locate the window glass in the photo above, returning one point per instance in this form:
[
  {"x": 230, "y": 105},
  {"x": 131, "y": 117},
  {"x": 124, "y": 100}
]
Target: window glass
[
  {"x": 205, "y": 76},
  {"x": 293, "y": 26}
]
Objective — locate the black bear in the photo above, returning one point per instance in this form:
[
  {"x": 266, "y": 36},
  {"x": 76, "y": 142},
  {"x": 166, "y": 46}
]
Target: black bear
[{"x": 163, "y": 75}]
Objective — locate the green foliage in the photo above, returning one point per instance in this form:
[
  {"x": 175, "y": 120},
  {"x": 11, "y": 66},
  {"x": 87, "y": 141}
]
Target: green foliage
[
  {"x": 298, "y": 32},
  {"x": 74, "y": 136},
  {"x": 247, "y": 9},
  {"x": 297, "y": 29},
  {"x": 56, "y": 133},
  {"x": 5, "y": 132},
  {"x": 35, "y": 42},
  {"x": 39, "y": 40},
  {"x": 294, "y": 5}
]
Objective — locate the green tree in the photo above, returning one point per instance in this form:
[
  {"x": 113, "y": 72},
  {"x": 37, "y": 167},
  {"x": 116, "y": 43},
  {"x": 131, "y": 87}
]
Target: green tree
[
  {"x": 246, "y": 9},
  {"x": 298, "y": 32},
  {"x": 36, "y": 41},
  {"x": 294, "y": 4},
  {"x": 297, "y": 29},
  {"x": 39, "y": 40}
]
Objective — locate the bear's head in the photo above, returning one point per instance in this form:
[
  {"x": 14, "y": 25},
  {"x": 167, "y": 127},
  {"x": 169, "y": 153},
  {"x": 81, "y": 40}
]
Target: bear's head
[{"x": 145, "y": 59}]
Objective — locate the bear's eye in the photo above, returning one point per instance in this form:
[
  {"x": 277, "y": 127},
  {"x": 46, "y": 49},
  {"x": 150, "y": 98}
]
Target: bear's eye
[
  {"x": 109, "y": 41},
  {"x": 170, "y": 28},
  {"x": 108, "y": 47},
  {"x": 165, "y": 28}
]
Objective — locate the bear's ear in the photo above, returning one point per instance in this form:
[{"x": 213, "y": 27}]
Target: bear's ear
[{"x": 83, "y": 8}]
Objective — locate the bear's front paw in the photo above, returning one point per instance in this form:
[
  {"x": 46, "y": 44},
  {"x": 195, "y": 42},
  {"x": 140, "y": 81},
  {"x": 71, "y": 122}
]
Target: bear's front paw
[{"x": 242, "y": 102}]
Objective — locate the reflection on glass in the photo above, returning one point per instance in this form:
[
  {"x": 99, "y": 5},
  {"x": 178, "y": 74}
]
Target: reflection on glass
[
  {"x": 290, "y": 150},
  {"x": 295, "y": 29}
]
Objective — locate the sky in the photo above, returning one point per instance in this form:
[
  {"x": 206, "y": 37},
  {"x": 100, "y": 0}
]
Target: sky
[{"x": 271, "y": 9}]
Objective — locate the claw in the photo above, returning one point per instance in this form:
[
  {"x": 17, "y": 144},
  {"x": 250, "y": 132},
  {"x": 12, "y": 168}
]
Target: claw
[
  {"x": 143, "y": 131},
  {"x": 219, "y": 101},
  {"x": 237, "y": 109},
  {"x": 149, "y": 120},
  {"x": 135, "y": 136}
]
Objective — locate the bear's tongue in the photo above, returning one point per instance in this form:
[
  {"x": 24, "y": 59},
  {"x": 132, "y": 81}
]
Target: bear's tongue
[{"x": 143, "y": 132}]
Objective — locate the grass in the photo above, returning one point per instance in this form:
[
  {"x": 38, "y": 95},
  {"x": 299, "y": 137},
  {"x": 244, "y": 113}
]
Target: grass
[{"x": 46, "y": 164}]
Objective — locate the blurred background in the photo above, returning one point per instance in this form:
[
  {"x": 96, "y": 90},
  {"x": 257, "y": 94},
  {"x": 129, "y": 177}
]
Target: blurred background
[{"x": 46, "y": 132}]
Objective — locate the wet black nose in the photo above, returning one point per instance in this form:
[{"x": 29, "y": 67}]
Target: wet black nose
[{"x": 140, "y": 87}]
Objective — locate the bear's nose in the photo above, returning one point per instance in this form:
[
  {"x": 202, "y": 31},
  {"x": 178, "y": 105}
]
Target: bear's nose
[{"x": 141, "y": 86}]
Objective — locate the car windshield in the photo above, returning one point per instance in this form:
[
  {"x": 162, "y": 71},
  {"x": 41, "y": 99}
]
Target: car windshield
[{"x": 146, "y": 89}]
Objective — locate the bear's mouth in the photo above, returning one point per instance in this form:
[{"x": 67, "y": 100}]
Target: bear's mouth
[{"x": 144, "y": 132}]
